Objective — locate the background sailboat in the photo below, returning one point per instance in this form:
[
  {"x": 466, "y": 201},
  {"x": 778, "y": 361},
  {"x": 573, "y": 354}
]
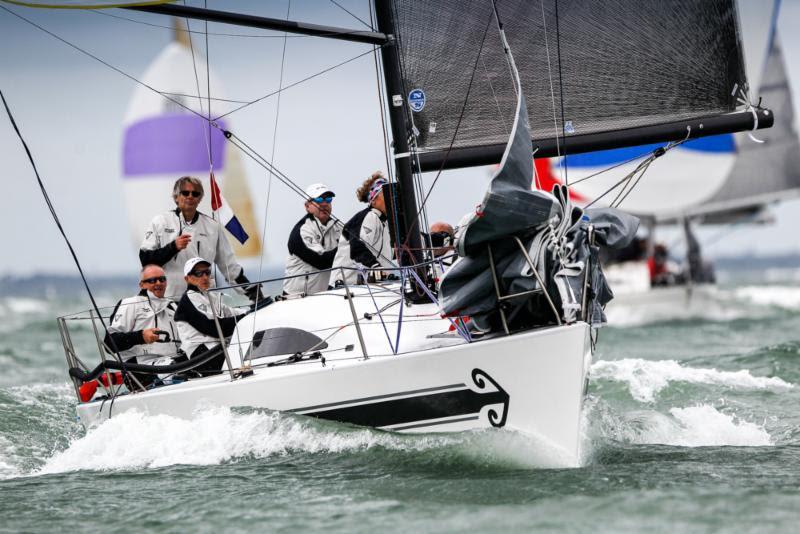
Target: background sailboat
[{"x": 163, "y": 141}]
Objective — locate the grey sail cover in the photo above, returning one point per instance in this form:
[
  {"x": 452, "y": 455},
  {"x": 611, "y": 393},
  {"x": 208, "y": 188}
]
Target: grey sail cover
[
  {"x": 513, "y": 223},
  {"x": 509, "y": 206}
]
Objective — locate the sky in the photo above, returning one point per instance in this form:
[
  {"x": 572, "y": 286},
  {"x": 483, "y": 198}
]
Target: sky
[{"x": 70, "y": 109}]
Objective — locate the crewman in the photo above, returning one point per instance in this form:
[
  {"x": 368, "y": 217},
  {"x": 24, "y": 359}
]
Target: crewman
[
  {"x": 142, "y": 327},
  {"x": 173, "y": 237},
  {"x": 312, "y": 244},
  {"x": 365, "y": 238},
  {"x": 195, "y": 318}
]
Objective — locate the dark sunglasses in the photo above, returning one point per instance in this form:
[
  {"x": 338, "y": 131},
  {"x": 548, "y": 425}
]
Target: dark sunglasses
[
  {"x": 154, "y": 279},
  {"x": 204, "y": 272},
  {"x": 195, "y": 194},
  {"x": 320, "y": 200}
]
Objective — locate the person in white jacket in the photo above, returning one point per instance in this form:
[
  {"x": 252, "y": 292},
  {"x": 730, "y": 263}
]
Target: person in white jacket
[
  {"x": 365, "y": 242},
  {"x": 312, "y": 244},
  {"x": 195, "y": 320},
  {"x": 142, "y": 327},
  {"x": 177, "y": 235}
]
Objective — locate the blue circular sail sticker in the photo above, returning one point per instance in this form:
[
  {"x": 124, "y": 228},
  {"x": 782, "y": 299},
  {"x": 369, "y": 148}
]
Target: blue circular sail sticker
[{"x": 416, "y": 100}]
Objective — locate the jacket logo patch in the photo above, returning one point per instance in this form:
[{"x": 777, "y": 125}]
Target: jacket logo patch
[
  {"x": 202, "y": 307},
  {"x": 201, "y": 234},
  {"x": 169, "y": 230},
  {"x": 367, "y": 230},
  {"x": 308, "y": 240},
  {"x": 146, "y": 309}
]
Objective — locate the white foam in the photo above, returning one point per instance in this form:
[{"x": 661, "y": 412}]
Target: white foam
[
  {"x": 23, "y": 305},
  {"x": 133, "y": 440},
  {"x": 786, "y": 297},
  {"x": 694, "y": 426},
  {"x": 646, "y": 378},
  {"x": 7, "y": 452}
]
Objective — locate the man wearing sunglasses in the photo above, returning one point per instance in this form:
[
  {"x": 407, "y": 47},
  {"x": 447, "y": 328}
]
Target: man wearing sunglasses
[
  {"x": 195, "y": 318},
  {"x": 183, "y": 233},
  {"x": 142, "y": 327},
  {"x": 312, "y": 244}
]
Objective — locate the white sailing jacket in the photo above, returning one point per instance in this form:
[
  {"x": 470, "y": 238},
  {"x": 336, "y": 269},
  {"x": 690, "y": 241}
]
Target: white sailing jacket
[
  {"x": 135, "y": 314},
  {"x": 208, "y": 242},
  {"x": 312, "y": 247},
  {"x": 372, "y": 248},
  {"x": 195, "y": 319}
]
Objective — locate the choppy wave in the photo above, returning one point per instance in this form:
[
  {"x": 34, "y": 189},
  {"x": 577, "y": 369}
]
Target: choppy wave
[
  {"x": 785, "y": 297},
  {"x": 133, "y": 440},
  {"x": 646, "y": 378},
  {"x": 701, "y": 425}
]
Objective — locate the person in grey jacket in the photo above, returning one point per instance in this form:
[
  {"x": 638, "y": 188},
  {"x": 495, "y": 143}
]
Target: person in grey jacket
[
  {"x": 195, "y": 320},
  {"x": 142, "y": 327},
  {"x": 177, "y": 235},
  {"x": 312, "y": 244},
  {"x": 365, "y": 238}
]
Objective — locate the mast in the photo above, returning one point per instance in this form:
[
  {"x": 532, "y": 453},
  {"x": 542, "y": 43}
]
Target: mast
[{"x": 408, "y": 224}]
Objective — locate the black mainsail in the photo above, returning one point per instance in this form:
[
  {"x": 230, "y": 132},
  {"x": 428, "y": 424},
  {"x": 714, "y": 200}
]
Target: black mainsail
[{"x": 597, "y": 74}]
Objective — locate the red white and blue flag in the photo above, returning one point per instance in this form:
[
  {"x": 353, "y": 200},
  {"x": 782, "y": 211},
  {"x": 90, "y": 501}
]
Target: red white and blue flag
[{"x": 224, "y": 214}]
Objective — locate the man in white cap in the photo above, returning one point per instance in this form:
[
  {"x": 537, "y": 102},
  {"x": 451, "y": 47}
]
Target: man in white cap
[
  {"x": 312, "y": 244},
  {"x": 194, "y": 318}
]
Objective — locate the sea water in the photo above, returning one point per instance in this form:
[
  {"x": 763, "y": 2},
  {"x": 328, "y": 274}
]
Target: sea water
[{"x": 691, "y": 425}]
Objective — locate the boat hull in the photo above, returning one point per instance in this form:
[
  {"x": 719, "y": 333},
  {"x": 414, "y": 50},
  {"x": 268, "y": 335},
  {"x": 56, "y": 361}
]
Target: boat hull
[{"x": 532, "y": 383}]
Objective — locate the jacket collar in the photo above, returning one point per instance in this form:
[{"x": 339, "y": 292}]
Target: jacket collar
[{"x": 180, "y": 215}]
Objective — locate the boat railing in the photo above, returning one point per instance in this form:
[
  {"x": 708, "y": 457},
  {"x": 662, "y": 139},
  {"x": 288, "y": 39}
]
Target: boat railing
[{"x": 74, "y": 360}]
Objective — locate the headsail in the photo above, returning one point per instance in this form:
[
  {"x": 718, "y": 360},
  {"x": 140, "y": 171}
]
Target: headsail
[
  {"x": 164, "y": 141},
  {"x": 610, "y": 68}
]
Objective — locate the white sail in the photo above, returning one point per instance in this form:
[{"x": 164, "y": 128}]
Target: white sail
[{"x": 164, "y": 141}]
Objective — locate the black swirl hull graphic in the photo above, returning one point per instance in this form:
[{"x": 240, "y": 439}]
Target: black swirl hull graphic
[{"x": 437, "y": 406}]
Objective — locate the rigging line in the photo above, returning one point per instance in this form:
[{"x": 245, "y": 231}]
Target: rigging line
[
  {"x": 271, "y": 162},
  {"x": 52, "y": 210},
  {"x": 561, "y": 89},
  {"x": 626, "y": 178},
  {"x": 216, "y": 34},
  {"x": 632, "y": 187},
  {"x": 213, "y": 99},
  {"x": 458, "y": 123},
  {"x": 340, "y": 6},
  {"x": 552, "y": 91},
  {"x": 199, "y": 96},
  {"x": 620, "y": 164},
  {"x": 295, "y": 84},
  {"x": 260, "y": 160},
  {"x": 109, "y": 65}
]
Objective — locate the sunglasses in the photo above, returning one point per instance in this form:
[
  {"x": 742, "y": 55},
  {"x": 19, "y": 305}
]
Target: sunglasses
[
  {"x": 195, "y": 194},
  {"x": 320, "y": 200},
  {"x": 154, "y": 279},
  {"x": 204, "y": 272}
]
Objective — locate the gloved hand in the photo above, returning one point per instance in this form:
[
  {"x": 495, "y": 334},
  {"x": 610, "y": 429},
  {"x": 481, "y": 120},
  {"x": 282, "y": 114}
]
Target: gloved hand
[{"x": 254, "y": 293}]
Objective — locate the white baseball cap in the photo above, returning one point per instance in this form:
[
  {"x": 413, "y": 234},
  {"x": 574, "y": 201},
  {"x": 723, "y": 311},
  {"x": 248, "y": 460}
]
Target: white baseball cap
[
  {"x": 318, "y": 190},
  {"x": 189, "y": 265}
]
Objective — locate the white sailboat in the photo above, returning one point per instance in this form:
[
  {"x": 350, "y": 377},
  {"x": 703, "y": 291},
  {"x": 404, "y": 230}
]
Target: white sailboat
[
  {"x": 403, "y": 355},
  {"x": 164, "y": 140}
]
